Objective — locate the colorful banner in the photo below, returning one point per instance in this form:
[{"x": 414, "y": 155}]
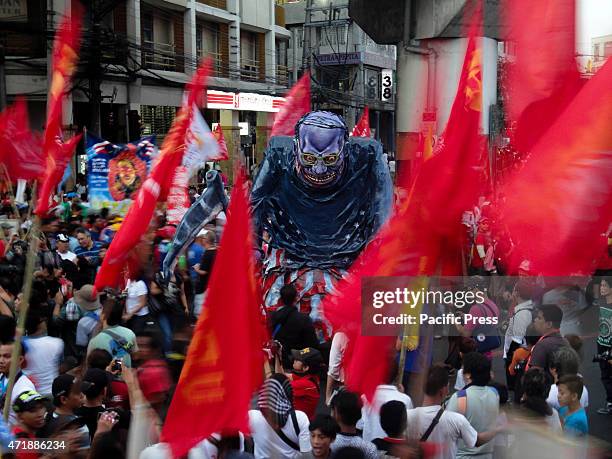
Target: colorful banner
[{"x": 115, "y": 172}]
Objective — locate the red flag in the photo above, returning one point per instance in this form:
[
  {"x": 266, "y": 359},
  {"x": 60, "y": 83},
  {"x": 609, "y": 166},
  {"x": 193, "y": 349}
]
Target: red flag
[
  {"x": 412, "y": 242},
  {"x": 155, "y": 188},
  {"x": 223, "y": 153},
  {"x": 178, "y": 198},
  {"x": 224, "y": 362},
  {"x": 561, "y": 201},
  {"x": 544, "y": 76},
  {"x": 57, "y": 152},
  {"x": 21, "y": 148},
  {"x": 362, "y": 128},
  {"x": 296, "y": 106}
]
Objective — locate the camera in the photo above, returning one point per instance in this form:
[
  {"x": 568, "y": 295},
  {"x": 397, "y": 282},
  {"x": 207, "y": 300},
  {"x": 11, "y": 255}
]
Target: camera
[
  {"x": 272, "y": 348},
  {"x": 117, "y": 365},
  {"x": 603, "y": 357},
  {"x": 519, "y": 368}
]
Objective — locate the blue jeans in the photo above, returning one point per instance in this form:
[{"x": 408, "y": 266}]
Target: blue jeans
[{"x": 165, "y": 325}]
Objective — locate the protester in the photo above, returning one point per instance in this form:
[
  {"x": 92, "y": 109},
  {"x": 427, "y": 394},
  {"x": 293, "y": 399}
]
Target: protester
[
  {"x": 153, "y": 374},
  {"x": 97, "y": 382},
  {"x": 277, "y": 429},
  {"x": 547, "y": 324},
  {"x": 335, "y": 370},
  {"x": 30, "y": 410},
  {"x": 534, "y": 408},
  {"x": 203, "y": 270},
  {"x": 89, "y": 324},
  {"x": 68, "y": 397},
  {"x": 136, "y": 314},
  {"x": 118, "y": 341},
  {"x": 565, "y": 362},
  {"x": 521, "y": 318},
  {"x": 604, "y": 341},
  {"x": 63, "y": 248},
  {"x": 393, "y": 420},
  {"x": 22, "y": 382},
  {"x": 572, "y": 414},
  {"x": 293, "y": 329},
  {"x": 387, "y": 392},
  {"x": 486, "y": 336},
  {"x": 323, "y": 430},
  {"x": 478, "y": 402},
  {"x": 433, "y": 423},
  {"x": 346, "y": 410},
  {"x": 305, "y": 380},
  {"x": 44, "y": 353}
]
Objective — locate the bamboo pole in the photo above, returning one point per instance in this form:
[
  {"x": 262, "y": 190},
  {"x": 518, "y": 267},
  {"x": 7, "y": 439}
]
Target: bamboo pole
[{"x": 23, "y": 312}]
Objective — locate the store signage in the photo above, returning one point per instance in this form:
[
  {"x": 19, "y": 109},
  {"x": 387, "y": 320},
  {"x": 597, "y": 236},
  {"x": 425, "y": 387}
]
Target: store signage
[
  {"x": 247, "y": 101},
  {"x": 339, "y": 58}
]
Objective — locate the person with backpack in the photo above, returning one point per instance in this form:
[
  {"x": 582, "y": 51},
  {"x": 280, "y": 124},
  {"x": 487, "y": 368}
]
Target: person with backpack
[
  {"x": 486, "y": 335},
  {"x": 520, "y": 319},
  {"x": 118, "y": 341},
  {"x": 478, "y": 402},
  {"x": 433, "y": 423},
  {"x": 276, "y": 428},
  {"x": 291, "y": 328},
  {"x": 305, "y": 380},
  {"x": 89, "y": 324}
]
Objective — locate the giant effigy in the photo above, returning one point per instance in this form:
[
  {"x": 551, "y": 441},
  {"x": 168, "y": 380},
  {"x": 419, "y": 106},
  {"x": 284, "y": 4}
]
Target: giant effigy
[{"x": 318, "y": 199}]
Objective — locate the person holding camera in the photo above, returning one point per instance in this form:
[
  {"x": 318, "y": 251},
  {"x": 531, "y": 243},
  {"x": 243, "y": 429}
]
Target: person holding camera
[{"x": 604, "y": 341}]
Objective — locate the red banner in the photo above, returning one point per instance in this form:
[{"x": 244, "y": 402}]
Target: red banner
[
  {"x": 224, "y": 364},
  {"x": 362, "y": 128},
  {"x": 58, "y": 153}
]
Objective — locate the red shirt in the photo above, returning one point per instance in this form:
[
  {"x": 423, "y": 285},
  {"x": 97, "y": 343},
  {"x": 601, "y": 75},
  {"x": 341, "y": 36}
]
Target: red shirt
[
  {"x": 154, "y": 378},
  {"x": 306, "y": 393},
  {"x": 22, "y": 435}
]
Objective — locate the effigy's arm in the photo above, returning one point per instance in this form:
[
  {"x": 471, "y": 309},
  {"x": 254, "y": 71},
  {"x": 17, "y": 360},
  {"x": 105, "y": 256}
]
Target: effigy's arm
[{"x": 268, "y": 178}]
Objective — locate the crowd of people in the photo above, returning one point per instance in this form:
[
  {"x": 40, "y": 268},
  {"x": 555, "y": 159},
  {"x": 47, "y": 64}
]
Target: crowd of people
[{"x": 97, "y": 370}]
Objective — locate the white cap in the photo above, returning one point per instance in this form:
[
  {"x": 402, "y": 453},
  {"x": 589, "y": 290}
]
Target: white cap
[{"x": 203, "y": 232}]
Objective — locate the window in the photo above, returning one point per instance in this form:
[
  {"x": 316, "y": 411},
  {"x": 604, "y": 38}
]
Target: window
[
  {"x": 157, "y": 120},
  {"x": 208, "y": 43},
  {"x": 248, "y": 55},
  {"x": 158, "y": 41}
]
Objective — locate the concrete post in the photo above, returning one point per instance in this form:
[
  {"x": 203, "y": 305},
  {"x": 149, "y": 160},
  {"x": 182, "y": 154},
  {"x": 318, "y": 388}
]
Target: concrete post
[{"x": 229, "y": 123}]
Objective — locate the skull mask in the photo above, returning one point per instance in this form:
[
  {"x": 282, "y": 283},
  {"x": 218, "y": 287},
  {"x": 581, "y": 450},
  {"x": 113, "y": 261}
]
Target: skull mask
[{"x": 320, "y": 148}]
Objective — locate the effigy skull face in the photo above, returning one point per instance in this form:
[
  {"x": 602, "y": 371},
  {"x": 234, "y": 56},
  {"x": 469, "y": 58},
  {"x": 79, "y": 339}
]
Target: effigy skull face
[{"x": 320, "y": 148}]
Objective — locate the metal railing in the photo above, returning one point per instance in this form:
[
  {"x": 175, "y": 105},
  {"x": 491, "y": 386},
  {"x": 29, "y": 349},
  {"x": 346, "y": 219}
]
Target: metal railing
[
  {"x": 161, "y": 56},
  {"x": 217, "y": 62},
  {"x": 282, "y": 75},
  {"x": 249, "y": 70},
  {"x": 221, "y": 4}
]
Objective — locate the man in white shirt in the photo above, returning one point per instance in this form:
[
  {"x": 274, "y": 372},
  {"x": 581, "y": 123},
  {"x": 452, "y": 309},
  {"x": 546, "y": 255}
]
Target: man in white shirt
[
  {"x": 433, "y": 423},
  {"x": 277, "y": 429},
  {"x": 519, "y": 321},
  {"x": 43, "y": 353},
  {"x": 565, "y": 362},
  {"x": 335, "y": 372},
  {"x": 62, "y": 247},
  {"x": 136, "y": 310},
  {"x": 22, "y": 382},
  {"x": 370, "y": 413}
]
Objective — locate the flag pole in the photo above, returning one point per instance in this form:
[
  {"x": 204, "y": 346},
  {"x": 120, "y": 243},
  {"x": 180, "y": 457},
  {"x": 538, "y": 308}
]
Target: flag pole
[{"x": 23, "y": 312}]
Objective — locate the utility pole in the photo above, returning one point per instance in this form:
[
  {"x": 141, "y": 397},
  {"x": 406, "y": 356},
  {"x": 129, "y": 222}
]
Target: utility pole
[{"x": 307, "y": 48}]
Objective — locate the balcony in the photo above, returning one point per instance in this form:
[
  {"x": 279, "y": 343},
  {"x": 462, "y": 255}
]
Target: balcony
[
  {"x": 221, "y": 4},
  {"x": 282, "y": 75},
  {"x": 249, "y": 70},
  {"x": 217, "y": 62},
  {"x": 160, "y": 56}
]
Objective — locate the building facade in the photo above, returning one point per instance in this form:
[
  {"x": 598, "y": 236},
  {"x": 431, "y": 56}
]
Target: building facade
[
  {"x": 349, "y": 69},
  {"x": 137, "y": 55},
  {"x": 602, "y": 50}
]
